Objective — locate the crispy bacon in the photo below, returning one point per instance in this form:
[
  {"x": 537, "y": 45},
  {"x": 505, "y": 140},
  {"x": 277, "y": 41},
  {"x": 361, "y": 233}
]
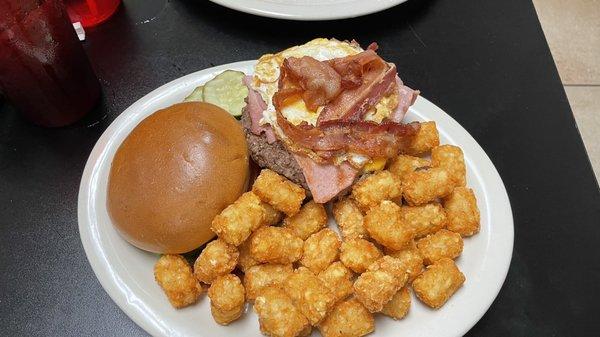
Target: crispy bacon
[
  {"x": 363, "y": 137},
  {"x": 316, "y": 81},
  {"x": 352, "y": 67},
  {"x": 377, "y": 78}
]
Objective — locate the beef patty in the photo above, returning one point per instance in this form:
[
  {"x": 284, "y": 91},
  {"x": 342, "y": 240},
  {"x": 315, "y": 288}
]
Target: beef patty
[{"x": 272, "y": 156}]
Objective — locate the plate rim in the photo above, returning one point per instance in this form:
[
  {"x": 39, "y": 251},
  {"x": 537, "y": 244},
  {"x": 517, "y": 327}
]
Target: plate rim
[
  {"x": 98, "y": 154},
  {"x": 275, "y": 10}
]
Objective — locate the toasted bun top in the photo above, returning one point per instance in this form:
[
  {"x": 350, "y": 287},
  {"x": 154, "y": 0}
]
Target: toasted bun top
[{"x": 175, "y": 171}]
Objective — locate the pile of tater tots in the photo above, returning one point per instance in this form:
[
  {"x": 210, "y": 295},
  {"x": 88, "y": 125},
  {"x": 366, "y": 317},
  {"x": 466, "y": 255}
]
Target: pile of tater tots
[{"x": 399, "y": 228}]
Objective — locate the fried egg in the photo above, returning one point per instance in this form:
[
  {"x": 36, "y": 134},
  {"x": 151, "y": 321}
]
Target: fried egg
[
  {"x": 266, "y": 77},
  {"x": 267, "y": 70}
]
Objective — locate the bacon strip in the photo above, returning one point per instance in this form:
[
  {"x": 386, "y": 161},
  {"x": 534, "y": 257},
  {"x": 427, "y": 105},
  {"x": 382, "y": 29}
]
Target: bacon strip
[
  {"x": 316, "y": 81},
  {"x": 256, "y": 105},
  {"x": 378, "y": 79},
  {"x": 364, "y": 137},
  {"x": 325, "y": 181},
  {"x": 351, "y": 68}
]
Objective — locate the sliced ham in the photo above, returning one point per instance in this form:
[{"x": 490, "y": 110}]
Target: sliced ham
[
  {"x": 364, "y": 137},
  {"x": 256, "y": 105},
  {"x": 406, "y": 98},
  {"x": 325, "y": 181}
]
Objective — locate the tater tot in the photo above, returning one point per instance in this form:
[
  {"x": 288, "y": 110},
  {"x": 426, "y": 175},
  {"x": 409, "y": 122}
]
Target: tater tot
[
  {"x": 410, "y": 257},
  {"x": 310, "y": 219},
  {"x": 227, "y": 299},
  {"x": 399, "y": 305},
  {"x": 426, "y": 139},
  {"x": 462, "y": 211},
  {"x": 264, "y": 275},
  {"x": 277, "y": 315},
  {"x": 349, "y": 219},
  {"x": 272, "y": 216},
  {"x": 424, "y": 186},
  {"x": 375, "y": 188},
  {"x": 358, "y": 254},
  {"x": 348, "y": 319},
  {"x": 309, "y": 294},
  {"x": 443, "y": 243},
  {"x": 279, "y": 192},
  {"x": 174, "y": 275},
  {"x": 236, "y": 222},
  {"x": 452, "y": 159},
  {"x": 275, "y": 245},
  {"x": 338, "y": 278},
  {"x": 403, "y": 164},
  {"x": 391, "y": 265},
  {"x": 385, "y": 224},
  {"x": 425, "y": 219},
  {"x": 379, "y": 283},
  {"x": 216, "y": 259},
  {"x": 440, "y": 281},
  {"x": 245, "y": 260},
  {"x": 320, "y": 250}
]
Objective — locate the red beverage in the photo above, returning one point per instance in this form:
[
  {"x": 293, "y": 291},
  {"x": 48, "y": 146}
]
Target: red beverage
[
  {"x": 43, "y": 68},
  {"x": 91, "y": 12}
]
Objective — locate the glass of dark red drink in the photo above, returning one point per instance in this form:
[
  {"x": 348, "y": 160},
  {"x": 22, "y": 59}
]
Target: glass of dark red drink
[
  {"x": 43, "y": 68},
  {"x": 91, "y": 12}
]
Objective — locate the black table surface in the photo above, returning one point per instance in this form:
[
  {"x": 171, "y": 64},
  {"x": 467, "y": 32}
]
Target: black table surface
[{"x": 484, "y": 62}]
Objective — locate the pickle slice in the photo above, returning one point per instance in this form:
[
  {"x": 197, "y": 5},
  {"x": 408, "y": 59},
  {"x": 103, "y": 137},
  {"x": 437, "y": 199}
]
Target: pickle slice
[
  {"x": 196, "y": 95},
  {"x": 227, "y": 91}
]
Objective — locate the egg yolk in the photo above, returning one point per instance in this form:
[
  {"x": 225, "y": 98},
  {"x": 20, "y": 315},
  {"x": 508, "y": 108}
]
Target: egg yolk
[
  {"x": 295, "y": 111},
  {"x": 375, "y": 164}
]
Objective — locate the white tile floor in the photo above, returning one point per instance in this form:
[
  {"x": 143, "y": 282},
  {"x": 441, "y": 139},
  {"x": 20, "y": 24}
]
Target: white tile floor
[
  {"x": 572, "y": 29},
  {"x": 585, "y": 102}
]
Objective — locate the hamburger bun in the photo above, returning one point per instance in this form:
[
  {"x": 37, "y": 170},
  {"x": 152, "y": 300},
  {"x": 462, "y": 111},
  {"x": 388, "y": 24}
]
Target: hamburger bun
[{"x": 176, "y": 171}]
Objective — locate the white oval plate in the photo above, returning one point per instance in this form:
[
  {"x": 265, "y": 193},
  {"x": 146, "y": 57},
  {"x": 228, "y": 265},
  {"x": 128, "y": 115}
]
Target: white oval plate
[
  {"x": 126, "y": 273},
  {"x": 309, "y": 9}
]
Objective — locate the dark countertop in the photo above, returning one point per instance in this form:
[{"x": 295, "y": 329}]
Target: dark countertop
[{"x": 485, "y": 62}]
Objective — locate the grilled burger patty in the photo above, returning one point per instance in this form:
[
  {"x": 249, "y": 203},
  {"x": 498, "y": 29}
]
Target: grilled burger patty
[{"x": 272, "y": 156}]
